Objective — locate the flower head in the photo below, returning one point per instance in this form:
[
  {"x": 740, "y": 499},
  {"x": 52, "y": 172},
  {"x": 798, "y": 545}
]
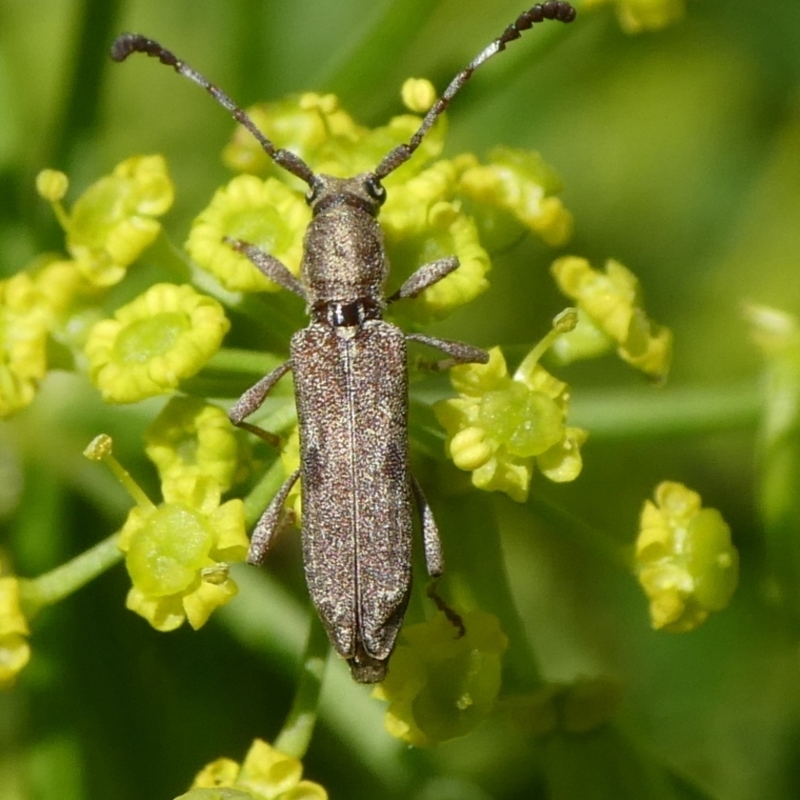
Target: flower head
[
  {"x": 519, "y": 182},
  {"x": 151, "y": 344},
  {"x": 113, "y": 221},
  {"x": 265, "y": 774},
  {"x": 501, "y": 426},
  {"x": 266, "y": 213},
  {"x": 24, "y": 321},
  {"x": 685, "y": 561},
  {"x": 611, "y": 311},
  {"x": 177, "y": 553},
  {"x": 15, "y": 652},
  {"x": 192, "y": 437},
  {"x": 441, "y": 684}
]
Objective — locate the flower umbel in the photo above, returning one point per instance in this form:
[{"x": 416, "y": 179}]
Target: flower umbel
[
  {"x": 15, "y": 652},
  {"x": 611, "y": 312},
  {"x": 113, "y": 221},
  {"x": 265, "y": 774},
  {"x": 501, "y": 426},
  {"x": 163, "y": 336},
  {"x": 193, "y": 438},
  {"x": 265, "y": 213},
  {"x": 23, "y": 338},
  {"x": 177, "y": 553},
  {"x": 441, "y": 684},
  {"x": 685, "y": 561}
]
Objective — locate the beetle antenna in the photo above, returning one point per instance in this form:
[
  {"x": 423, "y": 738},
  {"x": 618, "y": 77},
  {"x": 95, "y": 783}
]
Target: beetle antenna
[
  {"x": 553, "y": 9},
  {"x": 129, "y": 43}
]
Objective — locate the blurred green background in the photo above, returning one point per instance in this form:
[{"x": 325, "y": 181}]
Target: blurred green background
[{"x": 680, "y": 156}]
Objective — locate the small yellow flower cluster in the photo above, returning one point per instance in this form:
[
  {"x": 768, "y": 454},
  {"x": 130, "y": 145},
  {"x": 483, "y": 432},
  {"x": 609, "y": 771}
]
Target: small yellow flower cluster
[
  {"x": 442, "y": 684},
  {"x": 14, "y": 649},
  {"x": 152, "y": 343},
  {"x": 177, "y": 553},
  {"x": 425, "y": 215},
  {"x": 685, "y": 560},
  {"x": 610, "y": 313},
  {"x": 501, "y": 426},
  {"x": 636, "y": 16},
  {"x": 265, "y": 774}
]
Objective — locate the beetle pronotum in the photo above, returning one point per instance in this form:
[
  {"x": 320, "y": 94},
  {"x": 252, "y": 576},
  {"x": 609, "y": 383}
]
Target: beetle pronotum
[{"x": 351, "y": 386}]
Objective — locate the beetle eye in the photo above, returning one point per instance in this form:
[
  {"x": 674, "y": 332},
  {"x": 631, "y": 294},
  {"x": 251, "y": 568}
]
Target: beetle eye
[{"x": 375, "y": 190}]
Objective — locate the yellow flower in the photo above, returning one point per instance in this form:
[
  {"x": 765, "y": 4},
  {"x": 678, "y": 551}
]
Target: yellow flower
[
  {"x": 636, "y": 16},
  {"x": 265, "y": 774},
  {"x": 177, "y": 553},
  {"x": 519, "y": 182},
  {"x": 611, "y": 307},
  {"x": 264, "y": 213},
  {"x": 192, "y": 437},
  {"x": 24, "y": 317},
  {"x": 163, "y": 336},
  {"x": 500, "y": 427},
  {"x": 328, "y": 139},
  {"x": 112, "y": 222},
  {"x": 441, "y": 684},
  {"x": 14, "y": 649},
  {"x": 685, "y": 560}
]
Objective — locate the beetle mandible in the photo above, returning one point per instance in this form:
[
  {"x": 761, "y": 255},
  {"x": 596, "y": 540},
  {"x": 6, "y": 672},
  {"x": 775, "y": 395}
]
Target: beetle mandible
[{"x": 351, "y": 386}]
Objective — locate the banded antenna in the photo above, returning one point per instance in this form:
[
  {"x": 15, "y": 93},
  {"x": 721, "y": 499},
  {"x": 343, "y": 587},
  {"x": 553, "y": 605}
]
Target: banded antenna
[{"x": 128, "y": 43}]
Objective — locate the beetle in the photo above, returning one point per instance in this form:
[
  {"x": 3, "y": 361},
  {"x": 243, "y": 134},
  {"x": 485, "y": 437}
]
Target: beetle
[{"x": 350, "y": 372}]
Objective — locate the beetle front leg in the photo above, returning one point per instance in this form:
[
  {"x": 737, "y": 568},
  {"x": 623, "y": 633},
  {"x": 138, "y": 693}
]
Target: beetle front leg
[
  {"x": 268, "y": 525},
  {"x": 269, "y": 266},
  {"x": 425, "y": 276},
  {"x": 459, "y": 352}
]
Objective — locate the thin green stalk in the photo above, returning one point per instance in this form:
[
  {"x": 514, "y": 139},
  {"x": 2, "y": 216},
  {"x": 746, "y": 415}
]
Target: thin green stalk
[
  {"x": 295, "y": 735},
  {"x": 651, "y": 413},
  {"x": 64, "y": 580}
]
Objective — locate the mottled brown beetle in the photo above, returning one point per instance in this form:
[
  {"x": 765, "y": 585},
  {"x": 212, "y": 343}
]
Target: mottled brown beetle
[{"x": 351, "y": 387}]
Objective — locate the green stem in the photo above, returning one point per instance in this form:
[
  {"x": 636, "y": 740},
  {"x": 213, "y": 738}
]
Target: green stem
[
  {"x": 644, "y": 414},
  {"x": 295, "y": 735},
  {"x": 64, "y": 580},
  {"x": 251, "y": 362},
  {"x": 263, "y": 492}
]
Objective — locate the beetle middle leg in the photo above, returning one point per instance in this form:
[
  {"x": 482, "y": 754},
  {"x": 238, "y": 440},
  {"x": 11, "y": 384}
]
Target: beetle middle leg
[
  {"x": 251, "y": 401},
  {"x": 458, "y": 352}
]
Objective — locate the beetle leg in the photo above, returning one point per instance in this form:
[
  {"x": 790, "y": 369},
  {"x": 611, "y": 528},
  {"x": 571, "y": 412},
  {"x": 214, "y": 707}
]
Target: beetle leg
[
  {"x": 268, "y": 525},
  {"x": 432, "y": 544},
  {"x": 425, "y": 276},
  {"x": 459, "y": 352},
  {"x": 270, "y": 266}
]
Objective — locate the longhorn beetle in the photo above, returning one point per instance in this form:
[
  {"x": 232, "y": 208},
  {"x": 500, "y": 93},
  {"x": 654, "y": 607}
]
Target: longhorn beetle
[{"x": 351, "y": 386}]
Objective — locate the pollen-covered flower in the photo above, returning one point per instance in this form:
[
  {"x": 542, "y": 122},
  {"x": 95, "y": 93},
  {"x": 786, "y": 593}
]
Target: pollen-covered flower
[
  {"x": 501, "y": 426},
  {"x": 636, "y": 16},
  {"x": 24, "y": 318},
  {"x": 519, "y": 182},
  {"x": 423, "y": 222},
  {"x": 151, "y": 344},
  {"x": 442, "y": 684},
  {"x": 265, "y": 774},
  {"x": 193, "y": 438},
  {"x": 685, "y": 561},
  {"x": 177, "y": 553},
  {"x": 113, "y": 221},
  {"x": 611, "y": 306},
  {"x": 265, "y": 213},
  {"x": 14, "y": 649}
]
